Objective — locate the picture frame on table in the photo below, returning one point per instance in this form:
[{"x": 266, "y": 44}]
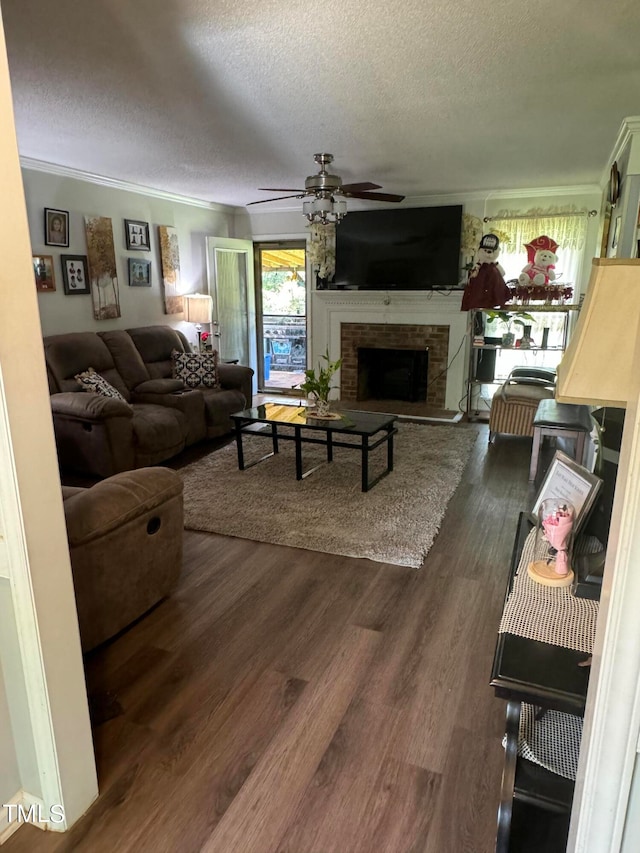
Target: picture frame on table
[
  {"x": 566, "y": 480},
  {"x": 43, "y": 272},
  {"x": 139, "y": 273},
  {"x": 56, "y": 227},
  {"x": 137, "y": 235},
  {"x": 75, "y": 275}
]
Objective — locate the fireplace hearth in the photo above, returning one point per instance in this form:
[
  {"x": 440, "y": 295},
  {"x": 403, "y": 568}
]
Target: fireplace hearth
[{"x": 385, "y": 373}]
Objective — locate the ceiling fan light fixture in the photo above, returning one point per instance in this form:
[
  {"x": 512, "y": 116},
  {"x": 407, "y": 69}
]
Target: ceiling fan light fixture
[
  {"x": 324, "y": 209},
  {"x": 325, "y": 195}
]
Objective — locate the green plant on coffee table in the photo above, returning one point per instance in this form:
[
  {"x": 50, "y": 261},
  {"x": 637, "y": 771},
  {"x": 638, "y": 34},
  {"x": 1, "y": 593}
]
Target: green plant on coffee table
[{"x": 320, "y": 384}]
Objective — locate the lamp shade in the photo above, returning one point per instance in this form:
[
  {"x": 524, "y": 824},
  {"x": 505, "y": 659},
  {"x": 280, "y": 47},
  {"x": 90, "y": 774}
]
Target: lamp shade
[
  {"x": 198, "y": 308},
  {"x": 597, "y": 367}
]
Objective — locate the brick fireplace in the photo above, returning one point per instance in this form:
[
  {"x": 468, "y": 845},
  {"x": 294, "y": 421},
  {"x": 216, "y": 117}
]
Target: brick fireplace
[
  {"x": 394, "y": 336},
  {"x": 397, "y": 320}
]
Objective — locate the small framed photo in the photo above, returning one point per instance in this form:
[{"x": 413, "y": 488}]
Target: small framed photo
[
  {"x": 139, "y": 273},
  {"x": 137, "y": 235},
  {"x": 566, "y": 480},
  {"x": 56, "y": 227},
  {"x": 43, "y": 272},
  {"x": 75, "y": 274}
]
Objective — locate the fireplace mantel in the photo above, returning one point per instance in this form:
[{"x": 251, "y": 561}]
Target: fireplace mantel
[{"x": 331, "y": 308}]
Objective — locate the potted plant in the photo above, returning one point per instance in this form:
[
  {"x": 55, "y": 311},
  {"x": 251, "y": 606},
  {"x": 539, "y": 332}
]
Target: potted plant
[
  {"x": 509, "y": 319},
  {"x": 320, "y": 384}
]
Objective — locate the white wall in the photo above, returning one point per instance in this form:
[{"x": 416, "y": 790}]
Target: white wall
[
  {"x": 140, "y": 306},
  {"x": 37, "y": 603}
]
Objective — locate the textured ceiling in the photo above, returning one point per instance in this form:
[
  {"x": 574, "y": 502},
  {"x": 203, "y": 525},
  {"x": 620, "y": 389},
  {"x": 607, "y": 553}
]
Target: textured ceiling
[{"x": 213, "y": 98}]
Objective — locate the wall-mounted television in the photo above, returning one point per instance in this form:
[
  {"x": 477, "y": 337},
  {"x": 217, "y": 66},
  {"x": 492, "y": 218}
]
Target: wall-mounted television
[{"x": 399, "y": 249}]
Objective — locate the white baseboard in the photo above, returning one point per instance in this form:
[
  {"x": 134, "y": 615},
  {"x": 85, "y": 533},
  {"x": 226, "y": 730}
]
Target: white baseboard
[
  {"x": 8, "y": 828},
  {"x": 26, "y": 800}
]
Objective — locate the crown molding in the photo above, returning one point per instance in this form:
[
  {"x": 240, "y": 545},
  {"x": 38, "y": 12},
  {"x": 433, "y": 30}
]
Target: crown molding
[
  {"x": 628, "y": 127},
  {"x": 543, "y": 192},
  {"x": 126, "y": 186}
]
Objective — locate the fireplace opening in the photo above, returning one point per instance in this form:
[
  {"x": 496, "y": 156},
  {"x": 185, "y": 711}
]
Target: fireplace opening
[{"x": 392, "y": 374}]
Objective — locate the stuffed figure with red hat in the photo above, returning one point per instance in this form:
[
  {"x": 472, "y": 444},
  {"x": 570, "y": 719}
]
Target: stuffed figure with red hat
[
  {"x": 542, "y": 258},
  {"x": 486, "y": 287}
]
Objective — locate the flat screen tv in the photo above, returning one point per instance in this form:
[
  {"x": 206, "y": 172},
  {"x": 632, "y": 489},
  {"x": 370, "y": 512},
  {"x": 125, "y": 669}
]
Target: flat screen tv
[{"x": 407, "y": 249}]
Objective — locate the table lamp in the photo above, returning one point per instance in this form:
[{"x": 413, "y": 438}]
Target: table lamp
[
  {"x": 597, "y": 367},
  {"x": 198, "y": 309}
]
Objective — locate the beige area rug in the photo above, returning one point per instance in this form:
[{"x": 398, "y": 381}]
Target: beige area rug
[{"x": 396, "y": 522}]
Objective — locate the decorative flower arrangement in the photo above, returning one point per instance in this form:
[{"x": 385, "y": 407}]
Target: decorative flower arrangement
[
  {"x": 471, "y": 233},
  {"x": 547, "y": 293},
  {"x": 206, "y": 341},
  {"x": 322, "y": 248}
]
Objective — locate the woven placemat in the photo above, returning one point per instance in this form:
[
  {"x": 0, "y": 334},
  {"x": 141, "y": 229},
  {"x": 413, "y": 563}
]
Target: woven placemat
[
  {"x": 553, "y": 741},
  {"x": 548, "y": 614}
]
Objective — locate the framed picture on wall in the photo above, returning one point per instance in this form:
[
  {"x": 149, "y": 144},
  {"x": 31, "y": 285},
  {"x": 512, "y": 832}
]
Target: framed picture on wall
[
  {"x": 43, "y": 272},
  {"x": 75, "y": 275},
  {"x": 137, "y": 235},
  {"x": 56, "y": 227},
  {"x": 139, "y": 273}
]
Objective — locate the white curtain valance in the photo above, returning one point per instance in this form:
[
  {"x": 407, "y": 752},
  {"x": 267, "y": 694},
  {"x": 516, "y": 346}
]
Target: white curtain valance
[{"x": 567, "y": 226}]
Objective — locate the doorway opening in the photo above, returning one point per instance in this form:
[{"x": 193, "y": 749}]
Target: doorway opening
[{"x": 281, "y": 315}]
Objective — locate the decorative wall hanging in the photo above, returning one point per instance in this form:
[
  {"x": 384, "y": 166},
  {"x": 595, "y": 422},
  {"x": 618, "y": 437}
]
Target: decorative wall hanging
[
  {"x": 56, "y": 227},
  {"x": 43, "y": 271},
  {"x": 137, "y": 235},
  {"x": 170, "y": 259},
  {"x": 139, "y": 273},
  {"x": 102, "y": 268},
  {"x": 75, "y": 274}
]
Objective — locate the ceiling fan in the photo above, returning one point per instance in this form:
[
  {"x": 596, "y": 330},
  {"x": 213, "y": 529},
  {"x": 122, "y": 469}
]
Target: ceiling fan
[{"x": 325, "y": 194}]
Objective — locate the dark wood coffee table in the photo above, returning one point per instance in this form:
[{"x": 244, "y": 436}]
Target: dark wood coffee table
[{"x": 310, "y": 430}]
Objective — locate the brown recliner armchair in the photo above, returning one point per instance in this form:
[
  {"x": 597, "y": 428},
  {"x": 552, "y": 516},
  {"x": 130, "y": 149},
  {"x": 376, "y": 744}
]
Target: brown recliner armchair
[{"x": 125, "y": 541}]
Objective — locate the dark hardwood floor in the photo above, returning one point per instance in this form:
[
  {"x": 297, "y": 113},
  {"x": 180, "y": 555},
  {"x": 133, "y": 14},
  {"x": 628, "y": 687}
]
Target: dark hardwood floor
[{"x": 288, "y": 701}]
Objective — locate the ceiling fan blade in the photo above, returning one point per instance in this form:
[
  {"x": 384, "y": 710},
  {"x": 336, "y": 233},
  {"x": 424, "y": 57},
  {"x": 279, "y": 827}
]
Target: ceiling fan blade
[
  {"x": 358, "y": 188},
  {"x": 376, "y": 196},
  {"x": 279, "y": 198},
  {"x": 280, "y": 190}
]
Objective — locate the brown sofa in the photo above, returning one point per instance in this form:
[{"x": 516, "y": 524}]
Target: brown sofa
[
  {"x": 100, "y": 436},
  {"x": 125, "y": 541}
]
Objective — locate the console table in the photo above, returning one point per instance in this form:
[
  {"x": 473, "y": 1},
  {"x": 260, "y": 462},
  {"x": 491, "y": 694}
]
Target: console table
[{"x": 549, "y": 676}]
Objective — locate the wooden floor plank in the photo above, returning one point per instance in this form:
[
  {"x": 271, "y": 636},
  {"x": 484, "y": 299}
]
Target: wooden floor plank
[
  {"x": 262, "y": 809},
  {"x": 402, "y": 811},
  {"x": 341, "y": 786}
]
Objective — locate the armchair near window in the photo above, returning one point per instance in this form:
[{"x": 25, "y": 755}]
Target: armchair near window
[{"x": 515, "y": 403}]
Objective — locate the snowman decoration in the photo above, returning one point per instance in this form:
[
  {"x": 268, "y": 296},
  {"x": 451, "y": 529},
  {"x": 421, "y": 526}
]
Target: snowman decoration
[
  {"x": 542, "y": 259},
  {"x": 486, "y": 287}
]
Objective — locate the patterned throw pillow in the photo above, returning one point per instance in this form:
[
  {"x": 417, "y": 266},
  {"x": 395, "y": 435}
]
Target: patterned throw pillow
[
  {"x": 96, "y": 384},
  {"x": 196, "y": 368}
]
